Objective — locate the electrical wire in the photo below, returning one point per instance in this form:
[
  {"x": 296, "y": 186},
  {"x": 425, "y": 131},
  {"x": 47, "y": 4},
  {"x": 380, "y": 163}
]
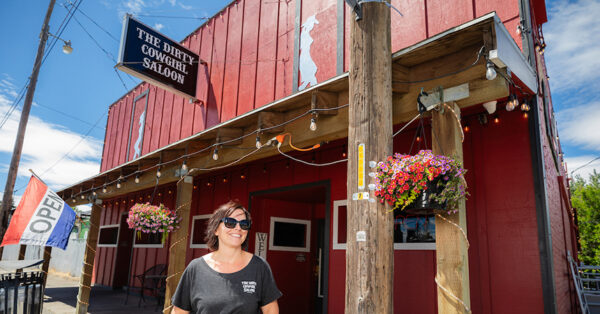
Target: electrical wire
[
  {"x": 311, "y": 163},
  {"x": 70, "y": 116},
  {"x": 173, "y": 17},
  {"x": 588, "y": 163},
  {"x": 95, "y": 23}
]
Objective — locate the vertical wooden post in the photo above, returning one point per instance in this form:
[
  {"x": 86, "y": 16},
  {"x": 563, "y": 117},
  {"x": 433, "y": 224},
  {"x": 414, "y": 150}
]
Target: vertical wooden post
[
  {"x": 451, "y": 245},
  {"x": 179, "y": 243},
  {"x": 22, "y": 251},
  {"x": 46, "y": 264},
  {"x": 370, "y": 247},
  {"x": 83, "y": 297}
]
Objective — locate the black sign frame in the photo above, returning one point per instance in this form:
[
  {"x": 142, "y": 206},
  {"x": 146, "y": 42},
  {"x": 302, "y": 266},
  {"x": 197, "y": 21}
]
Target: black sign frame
[{"x": 157, "y": 59}]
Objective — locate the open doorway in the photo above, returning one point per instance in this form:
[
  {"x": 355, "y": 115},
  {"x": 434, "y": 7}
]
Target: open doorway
[
  {"x": 124, "y": 251},
  {"x": 291, "y": 230}
]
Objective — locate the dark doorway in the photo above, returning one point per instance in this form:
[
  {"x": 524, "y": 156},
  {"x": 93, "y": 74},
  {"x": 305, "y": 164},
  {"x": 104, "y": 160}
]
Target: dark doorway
[
  {"x": 123, "y": 256},
  {"x": 293, "y": 226}
]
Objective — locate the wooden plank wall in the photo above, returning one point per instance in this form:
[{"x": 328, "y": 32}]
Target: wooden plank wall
[{"x": 249, "y": 48}]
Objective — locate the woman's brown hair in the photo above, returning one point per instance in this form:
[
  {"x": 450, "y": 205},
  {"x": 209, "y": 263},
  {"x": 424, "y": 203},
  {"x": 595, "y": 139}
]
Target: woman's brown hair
[{"x": 212, "y": 241}]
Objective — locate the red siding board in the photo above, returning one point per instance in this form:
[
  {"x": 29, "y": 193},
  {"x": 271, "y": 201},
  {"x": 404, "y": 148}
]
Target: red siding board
[
  {"x": 197, "y": 120},
  {"x": 165, "y": 130},
  {"x": 219, "y": 63},
  {"x": 204, "y": 87},
  {"x": 232, "y": 64},
  {"x": 248, "y": 57},
  {"x": 443, "y": 15},
  {"x": 285, "y": 49},
  {"x": 408, "y": 29},
  {"x": 176, "y": 119},
  {"x": 157, "y": 119},
  {"x": 118, "y": 129},
  {"x": 125, "y": 126},
  {"x": 267, "y": 53}
]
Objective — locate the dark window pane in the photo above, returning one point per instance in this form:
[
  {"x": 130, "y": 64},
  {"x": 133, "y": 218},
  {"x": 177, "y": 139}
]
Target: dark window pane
[
  {"x": 414, "y": 229},
  {"x": 108, "y": 235},
  {"x": 342, "y": 223},
  {"x": 148, "y": 238},
  {"x": 199, "y": 231},
  {"x": 289, "y": 234}
]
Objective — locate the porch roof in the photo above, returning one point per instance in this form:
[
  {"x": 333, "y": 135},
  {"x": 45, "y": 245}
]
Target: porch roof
[{"x": 448, "y": 59}]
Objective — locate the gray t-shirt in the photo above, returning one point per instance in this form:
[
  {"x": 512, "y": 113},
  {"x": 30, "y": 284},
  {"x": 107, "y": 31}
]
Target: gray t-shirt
[{"x": 204, "y": 290}]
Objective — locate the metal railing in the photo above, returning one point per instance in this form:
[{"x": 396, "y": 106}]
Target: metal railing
[
  {"x": 587, "y": 285},
  {"x": 21, "y": 292}
]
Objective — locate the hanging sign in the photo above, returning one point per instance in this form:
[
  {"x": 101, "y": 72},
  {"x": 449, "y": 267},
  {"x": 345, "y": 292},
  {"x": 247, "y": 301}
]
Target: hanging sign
[
  {"x": 157, "y": 59},
  {"x": 260, "y": 246}
]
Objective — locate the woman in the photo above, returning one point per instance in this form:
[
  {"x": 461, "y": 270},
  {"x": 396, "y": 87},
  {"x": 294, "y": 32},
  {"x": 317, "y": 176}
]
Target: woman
[{"x": 228, "y": 279}]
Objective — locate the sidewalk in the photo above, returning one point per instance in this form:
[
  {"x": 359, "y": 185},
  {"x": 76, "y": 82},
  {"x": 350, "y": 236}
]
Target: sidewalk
[{"x": 60, "y": 297}]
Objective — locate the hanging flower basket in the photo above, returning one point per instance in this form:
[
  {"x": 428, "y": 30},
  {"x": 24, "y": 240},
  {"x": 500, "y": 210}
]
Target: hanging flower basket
[
  {"x": 422, "y": 183},
  {"x": 148, "y": 218}
]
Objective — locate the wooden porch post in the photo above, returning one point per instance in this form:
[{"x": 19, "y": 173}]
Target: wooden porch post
[
  {"x": 451, "y": 246},
  {"x": 370, "y": 250},
  {"x": 83, "y": 297},
  {"x": 179, "y": 244}
]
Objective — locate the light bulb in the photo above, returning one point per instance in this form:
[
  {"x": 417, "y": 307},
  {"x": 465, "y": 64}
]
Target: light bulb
[
  {"x": 137, "y": 179},
  {"x": 82, "y": 196},
  {"x": 258, "y": 144},
  {"x": 104, "y": 189},
  {"x": 313, "y": 124},
  {"x": 467, "y": 128},
  {"x": 242, "y": 176},
  {"x": 215, "y": 154},
  {"x": 94, "y": 192},
  {"x": 158, "y": 174},
  {"x": 524, "y": 107},
  {"x": 490, "y": 73},
  {"x": 184, "y": 166},
  {"x": 118, "y": 185},
  {"x": 496, "y": 120}
]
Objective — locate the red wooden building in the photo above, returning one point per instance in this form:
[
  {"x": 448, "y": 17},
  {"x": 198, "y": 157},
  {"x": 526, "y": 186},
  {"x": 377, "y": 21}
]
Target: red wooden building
[{"x": 271, "y": 67}]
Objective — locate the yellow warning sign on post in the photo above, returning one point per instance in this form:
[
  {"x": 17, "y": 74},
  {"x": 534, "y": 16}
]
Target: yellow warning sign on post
[{"x": 361, "y": 166}]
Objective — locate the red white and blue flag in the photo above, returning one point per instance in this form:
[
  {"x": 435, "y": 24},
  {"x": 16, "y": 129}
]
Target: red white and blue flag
[{"x": 42, "y": 218}]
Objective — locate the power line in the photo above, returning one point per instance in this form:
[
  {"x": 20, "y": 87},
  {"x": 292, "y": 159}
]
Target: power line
[
  {"x": 70, "y": 116},
  {"x": 99, "y": 26},
  {"x": 584, "y": 165}
]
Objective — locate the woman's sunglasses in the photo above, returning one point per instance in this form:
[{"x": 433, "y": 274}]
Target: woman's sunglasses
[{"x": 231, "y": 222}]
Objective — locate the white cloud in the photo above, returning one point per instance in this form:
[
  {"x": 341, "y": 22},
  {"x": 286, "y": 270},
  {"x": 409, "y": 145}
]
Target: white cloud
[
  {"x": 571, "y": 36},
  {"x": 46, "y": 143},
  {"x": 185, "y": 7},
  {"x": 131, "y": 6},
  {"x": 579, "y": 126},
  {"x": 173, "y": 2},
  {"x": 574, "y": 164},
  {"x": 158, "y": 26}
]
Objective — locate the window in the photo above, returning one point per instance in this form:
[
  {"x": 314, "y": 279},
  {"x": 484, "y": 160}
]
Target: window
[
  {"x": 148, "y": 240},
  {"x": 198, "y": 232},
  {"x": 289, "y": 235},
  {"x": 108, "y": 236},
  {"x": 410, "y": 232}
]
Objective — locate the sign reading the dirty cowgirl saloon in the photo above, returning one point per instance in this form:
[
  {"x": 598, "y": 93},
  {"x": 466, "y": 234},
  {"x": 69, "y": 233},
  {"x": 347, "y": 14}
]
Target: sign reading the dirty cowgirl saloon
[{"x": 157, "y": 59}]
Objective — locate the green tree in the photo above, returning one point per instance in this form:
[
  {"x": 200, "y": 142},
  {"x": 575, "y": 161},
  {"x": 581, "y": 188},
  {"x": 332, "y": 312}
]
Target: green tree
[{"x": 585, "y": 197}]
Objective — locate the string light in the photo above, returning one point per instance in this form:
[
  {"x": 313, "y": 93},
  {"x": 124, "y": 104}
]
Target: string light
[
  {"x": 224, "y": 179},
  {"x": 137, "y": 178},
  {"x": 215, "y": 155},
  {"x": 490, "y": 72},
  {"x": 467, "y": 128},
  {"x": 208, "y": 183},
  {"x": 158, "y": 174},
  {"x": 258, "y": 144},
  {"x": 184, "y": 166},
  {"x": 313, "y": 122},
  {"x": 119, "y": 184},
  {"x": 525, "y": 115},
  {"x": 94, "y": 192},
  {"x": 104, "y": 189},
  {"x": 510, "y": 105},
  {"x": 242, "y": 176},
  {"x": 344, "y": 153},
  {"x": 496, "y": 120},
  {"x": 82, "y": 196},
  {"x": 524, "y": 106}
]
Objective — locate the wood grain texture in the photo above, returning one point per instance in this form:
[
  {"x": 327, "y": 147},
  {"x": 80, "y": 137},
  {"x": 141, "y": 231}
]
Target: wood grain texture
[
  {"x": 451, "y": 246},
  {"x": 88, "y": 261},
  {"x": 369, "y": 264},
  {"x": 178, "y": 241}
]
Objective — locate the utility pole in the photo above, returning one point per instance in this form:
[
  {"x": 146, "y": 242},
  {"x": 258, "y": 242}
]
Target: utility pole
[
  {"x": 16, "y": 157},
  {"x": 370, "y": 243}
]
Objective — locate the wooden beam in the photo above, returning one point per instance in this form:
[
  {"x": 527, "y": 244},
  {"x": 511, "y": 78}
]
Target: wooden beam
[
  {"x": 46, "y": 264},
  {"x": 268, "y": 120},
  {"x": 228, "y": 134},
  {"x": 85, "y": 281},
  {"x": 179, "y": 239},
  {"x": 451, "y": 246},
  {"x": 400, "y": 78},
  {"x": 324, "y": 100},
  {"x": 370, "y": 245}
]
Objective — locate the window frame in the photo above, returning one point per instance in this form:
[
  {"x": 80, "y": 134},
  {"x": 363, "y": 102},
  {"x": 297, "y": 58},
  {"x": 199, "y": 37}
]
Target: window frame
[
  {"x": 197, "y": 246},
  {"x": 147, "y": 246},
  {"x": 273, "y": 247},
  {"x": 106, "y": 227},
  {"x": 423, "y": 246}
]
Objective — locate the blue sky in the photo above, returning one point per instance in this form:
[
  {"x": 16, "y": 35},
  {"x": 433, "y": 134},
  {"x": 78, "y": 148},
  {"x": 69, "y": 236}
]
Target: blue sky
[{"x": 83, "y": 84}]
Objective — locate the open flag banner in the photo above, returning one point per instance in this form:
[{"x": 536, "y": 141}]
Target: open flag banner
[{"x": 42, "y": 218}]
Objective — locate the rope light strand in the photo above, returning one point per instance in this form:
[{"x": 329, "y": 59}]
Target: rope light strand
[
  {"x": 450, "y": 294},
  {"x": 462, "y": 134}
]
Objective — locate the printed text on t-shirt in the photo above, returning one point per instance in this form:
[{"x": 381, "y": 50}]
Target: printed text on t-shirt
[{"x": 249, "y": 286}]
